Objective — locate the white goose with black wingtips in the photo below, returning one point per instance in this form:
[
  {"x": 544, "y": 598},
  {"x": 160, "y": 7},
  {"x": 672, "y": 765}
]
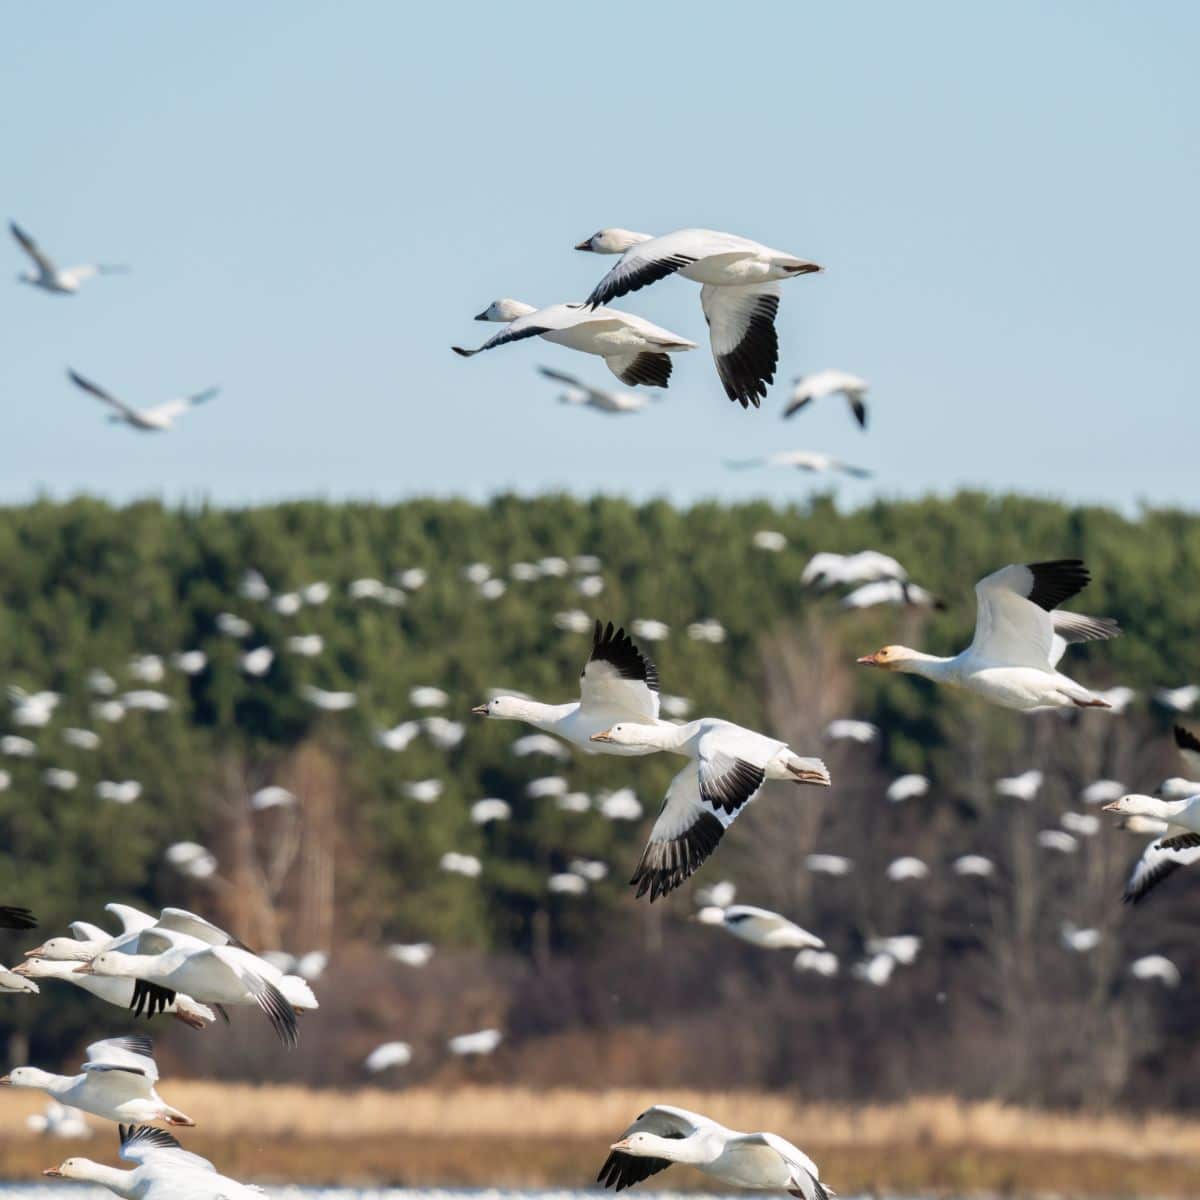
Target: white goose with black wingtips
[
  {"x": 163, "y": 1170},
  {"x": 50, "y": 278},
  {"x": 618, "y": 683},
  {"x": 1177, "y": 845},
  {"x": 116, "y": 1082},
  {"x": 634, "y": 350},
  {"x": 664, "y": 1134},
  {"x": 831, "y": 382},
  {"x": 729, "y": 766},
  {"x": 158, "y": 418},
  {"x": 1019, "y": 639},
  {"x": 739, "y": 296}
]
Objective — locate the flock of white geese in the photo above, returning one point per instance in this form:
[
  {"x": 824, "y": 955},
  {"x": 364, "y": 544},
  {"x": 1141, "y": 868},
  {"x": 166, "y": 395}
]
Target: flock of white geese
[{"x": 181, "y": 964}]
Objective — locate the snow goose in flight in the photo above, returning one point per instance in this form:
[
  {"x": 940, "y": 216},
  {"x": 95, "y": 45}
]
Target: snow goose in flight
[
  {"x": 1021, "y": 787},
  {"x": 411, "y": 954},
  {"x": 633, "y": 349},
  {"x": 803, "y": 460},
  {"x": 390, "y": 1054},
  {"x": 158, "y": 418},
  {"x": 759, "y": 927},
  {"x": 831, "y": 382},
  {"x": 739, "y": 296},
  {"x": 728, "y": 767},
  {"x": 618, "y": 683},
  {"x": 163, "y": 1171},
  {"x": 583, "y": 395},
  {"x": 212, "y": 973},
  {"x": 663, "y": 1135},
  {"x": 1176, "y": 843},
  {"x": 1180, "y": 699},
  {"x": 118, "y": 992},
  {"x": 1156, "y": 967},
  {"x": 819, "y": 962},
  {"x": 50, "y": 278},
  {"x": 116, "y": 1083},
  {"x": 32, "y": 709},
  {"x": 1018, "y": 640},
  {"x": 893, "y": 592},
  {"x": 828, "y": 569},
  {"x": 907, "y": 787},
  {"x": 973, "y": 866},
  {"x": 905, "y": 868},
  {"x": 846, "y": 729},
  {"x": 483, "y": 1041},
  {"x": 1078, "y": 941}
]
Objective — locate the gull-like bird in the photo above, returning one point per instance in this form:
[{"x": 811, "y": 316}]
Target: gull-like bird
[
  {"x": 63, "y": 281},
  {"x": 158, "y": 418},
  {"x": 812, "y": 461},
  {"x": 739, "y": 296},
  {"x": 584, "y": 395},
  {"x": 634, "y": 350},
  {"x": 832, "y": 382}
]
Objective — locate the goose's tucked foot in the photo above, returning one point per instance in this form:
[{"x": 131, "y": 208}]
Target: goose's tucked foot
[
  {"x": 178, "y": 1119},
  {"x": 1094, "y": 702},
  {"x": 191, "y": 1020}
]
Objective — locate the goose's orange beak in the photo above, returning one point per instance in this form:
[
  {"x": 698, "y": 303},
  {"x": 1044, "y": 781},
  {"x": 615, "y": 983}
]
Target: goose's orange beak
[
  {"x": 868, "y": 660},
  {"x": 606, "y": 736}
]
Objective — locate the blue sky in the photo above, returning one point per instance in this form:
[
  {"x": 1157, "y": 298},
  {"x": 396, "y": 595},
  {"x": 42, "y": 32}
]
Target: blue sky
[{"x": 316, "y": 198}]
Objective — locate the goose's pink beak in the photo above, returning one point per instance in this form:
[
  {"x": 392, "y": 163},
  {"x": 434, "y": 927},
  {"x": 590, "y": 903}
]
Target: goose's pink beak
[{"x": 606, "y": 736}]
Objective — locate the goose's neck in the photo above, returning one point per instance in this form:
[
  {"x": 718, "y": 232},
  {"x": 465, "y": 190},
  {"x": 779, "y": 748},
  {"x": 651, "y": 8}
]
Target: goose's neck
[
  {"x": 694, "y": 1149},
  {"x": 929, "y": 666},
  {"x": 113, "y": 1178},
  {"x": 541, "y": 716}
]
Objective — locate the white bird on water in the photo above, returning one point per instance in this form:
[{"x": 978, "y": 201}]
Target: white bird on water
[
  {"x": 163, "y": 1171},
  {"x": 605, "y": 400},
  {"x": 663, "y": 1135},
  {"x": 618, "y": 683},
  {"x": 158, "y": 418},
  {"x": 116, "y": 1082},
  {"x": 1019, "y": 639},
  {"x": 633, "y": 349},
  {"x": 739, "y": 293},
  {"x": 812, "y": 461},
  {"x": 831, "y": 382},
  {"x": 728, "y": 767},
  {"x": 48, "y": 277}
]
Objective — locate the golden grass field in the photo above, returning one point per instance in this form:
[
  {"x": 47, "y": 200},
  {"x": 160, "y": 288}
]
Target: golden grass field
[{"x": 514, "y": 1137}]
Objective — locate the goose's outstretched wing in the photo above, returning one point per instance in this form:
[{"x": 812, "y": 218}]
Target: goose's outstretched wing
[{"x": 619, "y": 676}]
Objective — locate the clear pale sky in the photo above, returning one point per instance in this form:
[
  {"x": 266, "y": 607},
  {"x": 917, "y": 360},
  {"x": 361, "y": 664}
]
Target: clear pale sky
[{"x": 315, "y": 199}]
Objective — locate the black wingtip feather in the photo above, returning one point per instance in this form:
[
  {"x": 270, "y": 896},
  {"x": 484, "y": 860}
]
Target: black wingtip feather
[
  {"x": 1056, "y": 581},
  {"x": 12, "y": 917},
  {"x": 750, "y": 365},
  {"x": 665, "y": 865},
  {"x": 615, "y": 647},
  {"x": 135, "y": 1043},
  {"x": 1185, "y": 739},
  {"x": 150, "y": 999},
  {"x": 147, "y": 1135},
  {"x": 649, "y": 368}
]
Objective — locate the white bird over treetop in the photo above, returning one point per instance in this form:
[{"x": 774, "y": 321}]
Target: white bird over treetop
[
  {"x": 48, "y": 277},
  {"x": 158, "y": 418},
  {"x": 830, "y": 382}
]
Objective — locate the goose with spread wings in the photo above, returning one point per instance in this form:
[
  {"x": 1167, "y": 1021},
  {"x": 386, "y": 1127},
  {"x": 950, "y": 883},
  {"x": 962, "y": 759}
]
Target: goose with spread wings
[
  {"x": 634, "y": 350},
  {"x": 831, "y": 382},
  {"x": 739, "y": 296},
  {"x": 1177, "y": 844},
  {"x": 618, "y": 683},
  {"x": 812, "y": 461},
  {"x": 157, "y": 418},
  {"x": 1019, "y": 639},
  {"x": 116, "y": 1082},
  {"x": 163, "y": 1170},
  {"x": 664, "y": 1134},
  {"x": 605, "y": 400},
  {"x": 728, "y": 767},
  {"x": 167, "y": 960},
  {"x": 63, "y": 281}
]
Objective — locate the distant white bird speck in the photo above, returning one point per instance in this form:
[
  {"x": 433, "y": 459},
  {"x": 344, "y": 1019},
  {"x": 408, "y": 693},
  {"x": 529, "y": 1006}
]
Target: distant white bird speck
[
  {"x": 257, "y": 662},
  {"x": 650, "y": 630},
  {"x": 1057, "y": 840},
  {"x": 905, "y": 868},
  {"x": 974, "y": 865},
  {"x": 190, "y": 662},
  {"x": 769, "y": 539},
  {"x": 621, "y": 805},
  {"x": 387, "y": 1056},
  {"x": 1156, "y": 967},
  {"x": 1080, "y": 824},
  {"x": 1021, "y": 787},
  {"x": 15, "y": 746},
  {"x": 60, "y": 779},
  {"x": 846, "y": 729},
  {"x": 399, "y": 737},
  {"x": 287, "y": 604},
  {"x": 412, "y": 579},
  {"x": 307, "y": 645},
  {"x": 573, "y": 621},
  {"x": 590, "y": 586},
  {"x": 567, "y": 884},
  {"x": 111, "y": 711},
  {"x": 574, "y": 802},
  {"x": 231, "y": 625},
  {"x": 907, "y": 787},
  {"x": 484, "y": 1041},
  {"x": 461, "y": 864},
  {"x": 411, "y": 954},
  {"x": 546, "y": 785},
  {"x": 328, "y": 701},
  {"x": 829, "y": 864},
  {"x": 428, "y": 697},
  {"x": 316, "y": 593},
  {"x": 147, "y": 668},
  {"x": 118, "y": 791},
  {"x": 540, "y": 743},
  {"x": 272, "y": 796},
  {"x": 1103, "y": 791},
  {"x": 81, "y": 739},
  {"x": 819, "y": 962},
  {"x": 708, "y": 630},
  {"x": 100, "y": 682},
  {"x": 1080, "y": 941},
  {"x": 424, "y": 791},
  {"x": 484, "y": 812}
]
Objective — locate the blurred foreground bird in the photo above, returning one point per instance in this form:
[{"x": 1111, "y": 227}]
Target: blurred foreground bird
[
  {"x": 830, "y": 382},
  {"x": 803, "y": 460},
  {"x": 584, "y": 395}
]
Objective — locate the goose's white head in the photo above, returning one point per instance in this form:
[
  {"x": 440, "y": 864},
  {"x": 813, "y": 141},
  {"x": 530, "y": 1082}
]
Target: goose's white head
[
  {"x": 504, "y": 310},
  {"x": 628, "y": 733},
  {"x": 503, "y": 708},
  {"x": 612, "y": 241},
  {"x": 113, "y": 963},
  {"x": 26, "y": 1077},
  {"x": 890, "y": 658},
  {"x": 1135, "y": 805},
  {"x": 640, "y": 1145},
  {"x": 72, "y": 1168},
  {"x": 62, "y": 949}
]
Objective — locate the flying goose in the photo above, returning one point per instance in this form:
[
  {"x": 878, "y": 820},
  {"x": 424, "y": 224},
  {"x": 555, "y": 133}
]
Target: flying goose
[
  {"x": 1176, "y": 844},
  {"x": 50, "y": 278},
  {"x": 163, "y": 1171},
  {"x": 116, "y": 1082},
  {"x": 739, "y": 296},
  {"x": 158, "y": 418},
  {"x": 1019, "y": 639},
  {"x": 605, "y": 400},
  {"x": 664, "y": 1134},
  {"x": 820, "y": 384},
  {"x": 633, "y": 349},
  {"x": 759, "y": 927},
  {"x": 618, "y": 683},
  {"x": 728, "y": 769},
  {"x": 803, "y": 460}
]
